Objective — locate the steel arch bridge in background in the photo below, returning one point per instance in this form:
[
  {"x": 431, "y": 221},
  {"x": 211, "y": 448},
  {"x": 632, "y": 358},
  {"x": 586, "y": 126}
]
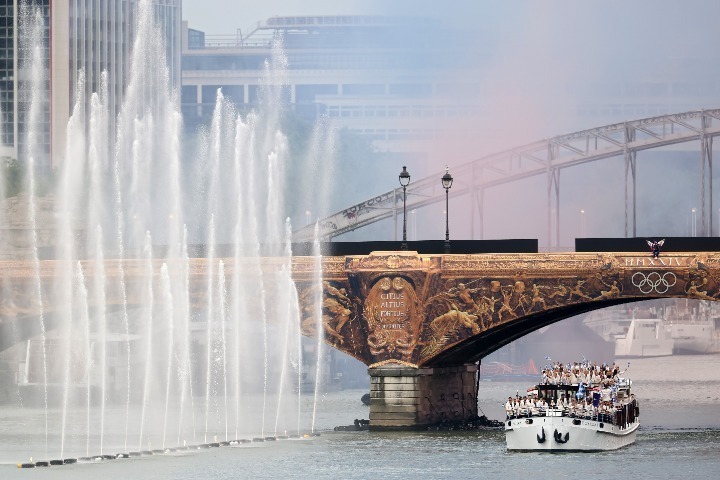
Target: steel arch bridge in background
[{"x": 545, "y": 157}]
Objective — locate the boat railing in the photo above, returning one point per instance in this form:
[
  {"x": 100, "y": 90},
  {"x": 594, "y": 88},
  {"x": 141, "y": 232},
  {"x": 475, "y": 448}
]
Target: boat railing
[{"x": 612, "y": 418}]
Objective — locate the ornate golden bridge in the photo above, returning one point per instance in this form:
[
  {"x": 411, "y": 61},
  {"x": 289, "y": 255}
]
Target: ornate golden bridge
[
  {"x": 421, "y": 322},
  {"x": 443, "y": 310}
]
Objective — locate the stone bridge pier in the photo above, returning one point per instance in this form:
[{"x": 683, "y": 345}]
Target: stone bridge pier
[{"x": 408, "y": 398}]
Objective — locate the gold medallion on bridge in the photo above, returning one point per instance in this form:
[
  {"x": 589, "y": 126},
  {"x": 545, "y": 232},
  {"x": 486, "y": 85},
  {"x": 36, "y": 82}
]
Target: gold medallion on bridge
[{"x": 390, "y": 312}]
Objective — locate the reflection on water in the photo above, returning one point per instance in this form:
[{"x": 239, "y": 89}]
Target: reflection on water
[{"x": 680, "y": 438}]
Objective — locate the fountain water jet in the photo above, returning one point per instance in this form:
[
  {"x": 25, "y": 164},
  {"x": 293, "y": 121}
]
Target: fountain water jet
[
  {"x": 149, "y": 302},
  {"x": 169, "y": 319},
  {"x": 209, "y": 320},
  {"x": 222, "y": 304},
  {"x": 127, "y": 206},
  {"x": 291, "y": 315},
  {"x": 31, "y": 35},
  {"x": 319, "y": 326}
]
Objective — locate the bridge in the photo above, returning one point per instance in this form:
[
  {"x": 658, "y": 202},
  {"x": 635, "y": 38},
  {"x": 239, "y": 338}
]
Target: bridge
[
  {"x": 419, "y": 321},
  {"x": 546, "y": 158},
  {"x": 422, "y": 322}
]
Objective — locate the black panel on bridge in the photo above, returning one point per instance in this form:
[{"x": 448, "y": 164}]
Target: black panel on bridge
[
  {"x": 639, "y": 244},
  {"x": 423, "y": 247}
]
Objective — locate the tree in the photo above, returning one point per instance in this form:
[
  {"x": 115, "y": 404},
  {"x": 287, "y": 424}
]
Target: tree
[{"x": 12, "y": 174}]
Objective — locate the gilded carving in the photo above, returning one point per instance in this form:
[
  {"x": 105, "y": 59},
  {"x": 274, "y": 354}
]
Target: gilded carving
[
  {"x": 391, "y": 261},
  {"x": 339, "y": 314},
  {"x": 392, "y": 313},
  {"x": 468, "y": 307},
  {"x": 613, "y": 291},
  {"x": 693, "y": 290}
]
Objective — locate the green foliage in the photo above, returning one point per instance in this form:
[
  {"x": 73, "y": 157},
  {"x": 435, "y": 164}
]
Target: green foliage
[{"x": 13, "y": 175}]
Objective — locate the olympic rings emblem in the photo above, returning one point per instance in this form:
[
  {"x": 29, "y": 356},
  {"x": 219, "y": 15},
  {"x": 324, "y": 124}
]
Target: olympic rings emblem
[{"x": 654, "y": 281}]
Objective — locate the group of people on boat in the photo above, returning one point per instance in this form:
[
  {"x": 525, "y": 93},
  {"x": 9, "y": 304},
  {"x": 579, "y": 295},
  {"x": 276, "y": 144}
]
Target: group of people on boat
[
  {"x": 579, "y": 390},
  {"x": 581, "y": 373},
  {"x": 532, "y": 406}
]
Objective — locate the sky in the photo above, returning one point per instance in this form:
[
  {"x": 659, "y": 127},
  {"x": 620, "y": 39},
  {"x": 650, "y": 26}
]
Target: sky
[
  {"x": 204, "y": 14},
  {"x": 538, "y": 64}
]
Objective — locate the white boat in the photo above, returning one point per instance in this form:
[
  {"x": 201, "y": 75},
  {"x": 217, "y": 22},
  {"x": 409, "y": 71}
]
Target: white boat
[
  {"x": 694, "y": 328},
  {"x": 702, "y": 336},
  {"x": 644, "y": 337},
  {"x": 563, "y": 430},
  {"x": 633, "y": 335}
]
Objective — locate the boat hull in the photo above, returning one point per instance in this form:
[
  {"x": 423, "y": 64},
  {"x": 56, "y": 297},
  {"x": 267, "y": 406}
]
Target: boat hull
[
  {"x": 698, "y": 337},
  {"x": 566, "y": 434}
]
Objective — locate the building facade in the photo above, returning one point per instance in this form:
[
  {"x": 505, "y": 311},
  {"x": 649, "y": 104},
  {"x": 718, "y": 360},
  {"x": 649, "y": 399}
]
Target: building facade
[
  {"x": 414, "y": 85},
  {"x": 94, "y": 36},
  {"x": 385, "y": 78}
]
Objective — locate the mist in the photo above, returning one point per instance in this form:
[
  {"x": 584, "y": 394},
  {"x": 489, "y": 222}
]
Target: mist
[{"x": 513, "y": 72}]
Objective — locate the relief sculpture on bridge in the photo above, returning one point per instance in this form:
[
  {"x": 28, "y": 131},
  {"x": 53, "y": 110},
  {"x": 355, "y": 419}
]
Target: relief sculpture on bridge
[
  {"x": 408, "y": 309},
  {"x": 703, "y": 280},
  {"x": 339, "y": 316},
  {"x": 391, "y": 311},
  {"x": 468, "y": 307}
]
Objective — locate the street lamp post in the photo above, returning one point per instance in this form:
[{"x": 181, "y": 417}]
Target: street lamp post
[
  {"x": 582, "y": 223},
  {"x": 447, "y": 181},
  {"x": 694, "y": 228},
  {"x": 404, "y": 178},
  {"x": 414, "y": 225}
]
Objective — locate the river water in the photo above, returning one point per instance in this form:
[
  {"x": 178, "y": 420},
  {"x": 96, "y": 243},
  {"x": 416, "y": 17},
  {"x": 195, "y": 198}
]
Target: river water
[{"x": 679, "y": 438}]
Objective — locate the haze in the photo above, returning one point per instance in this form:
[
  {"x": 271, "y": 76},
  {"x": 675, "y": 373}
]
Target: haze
[{"x": 543, "y": 69}]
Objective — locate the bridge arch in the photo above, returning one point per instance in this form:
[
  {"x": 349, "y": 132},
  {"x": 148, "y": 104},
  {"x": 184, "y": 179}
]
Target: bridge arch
[{"x": 477, "y": 347}]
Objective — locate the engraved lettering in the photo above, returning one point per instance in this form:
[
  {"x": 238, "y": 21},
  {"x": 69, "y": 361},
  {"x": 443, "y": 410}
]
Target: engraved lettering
[{"x": 656, "y": 262}]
